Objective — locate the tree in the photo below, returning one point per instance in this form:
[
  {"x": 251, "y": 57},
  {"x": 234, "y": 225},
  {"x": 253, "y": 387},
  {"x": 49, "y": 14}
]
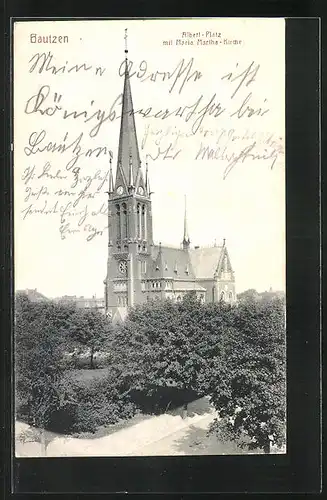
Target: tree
[
  {"x": 164, "y": 335},
  {"x": 252, "y": 398},
  {"x": 39, "y": 366},
  {"x": 165, "y": 344},
  {"x": 90, "y": 329},
  {"x": 248, "y": 295}
]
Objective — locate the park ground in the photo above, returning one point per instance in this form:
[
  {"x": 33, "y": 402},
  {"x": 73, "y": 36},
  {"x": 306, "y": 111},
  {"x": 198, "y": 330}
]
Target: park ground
[{"x": 171, "y": 433}]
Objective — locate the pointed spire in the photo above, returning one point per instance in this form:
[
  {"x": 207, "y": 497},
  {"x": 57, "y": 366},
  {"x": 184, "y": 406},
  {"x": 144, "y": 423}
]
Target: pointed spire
[
  {"x": 147, "y": 178},
  {"x": 159, "y": 260},
  {"x": 146, "y": 175},
  {"x": 128, "y": 145},
  {"x": 139, "y": 179},
  {"x": 130, "y": 171},
  {"x": 111, "y": 180},
  {"x": 186, "y": 238}
]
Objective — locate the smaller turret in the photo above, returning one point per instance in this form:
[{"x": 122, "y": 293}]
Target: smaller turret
[{"x": 186, "y": 238}]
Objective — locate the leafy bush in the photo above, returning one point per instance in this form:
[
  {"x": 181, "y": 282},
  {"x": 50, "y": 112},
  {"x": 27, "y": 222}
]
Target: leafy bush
[{"x": 91, "y": 405}]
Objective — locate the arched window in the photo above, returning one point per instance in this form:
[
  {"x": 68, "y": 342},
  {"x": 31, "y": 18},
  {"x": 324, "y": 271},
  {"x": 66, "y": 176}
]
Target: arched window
[
  {"x": 143, "y": 266},
  {"x": 143, "y": 222},
  {"x": 213, "y": 294},
  {"x": 125, "y": 221},
  {"x": 222, "y": 296},
  {"x": 118, "y": 222},
  {"x": 230, "y": 296},
  {"x": 138, "y": 222},
  {"x": 106, "y": 296}
]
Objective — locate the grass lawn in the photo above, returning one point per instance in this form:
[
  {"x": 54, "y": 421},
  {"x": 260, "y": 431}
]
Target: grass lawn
[{"x": 86, "y": 375}]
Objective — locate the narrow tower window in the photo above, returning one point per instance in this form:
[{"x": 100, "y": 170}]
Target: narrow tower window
[
  {"x": 125, "y": 224},
  {"x": 118, "y": 222},
  {"x": 143, "y": 236},
  {"x": 138, "y": 209}
]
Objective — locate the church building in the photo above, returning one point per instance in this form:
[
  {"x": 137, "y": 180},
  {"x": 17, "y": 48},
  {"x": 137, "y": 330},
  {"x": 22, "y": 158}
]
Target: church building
[{"x": 138, "y": 270}]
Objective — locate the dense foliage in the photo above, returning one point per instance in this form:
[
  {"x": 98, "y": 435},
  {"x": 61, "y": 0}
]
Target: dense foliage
[
  {"x": 39, "y": 357},
  {"x": 45, "y": 333},
  {"x": 234, "y": 354},
  {"x": 92, "y": 404},
  {"x": 164, "y": 343},
  {"x": 90, "y": 330},
  {"x": 252, "y": 398}
]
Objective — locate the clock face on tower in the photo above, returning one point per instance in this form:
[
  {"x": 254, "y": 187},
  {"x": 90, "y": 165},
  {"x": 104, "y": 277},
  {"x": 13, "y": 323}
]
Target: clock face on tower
[
  {"x": 122, "y": 266},
  {"x": 120, "y": 190},
  {"x": 140, "y": 190}
]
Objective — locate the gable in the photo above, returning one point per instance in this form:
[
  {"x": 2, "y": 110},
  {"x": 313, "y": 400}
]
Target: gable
[
  {"x": 225, "y": 270},
  {"x": 205, "y": 261}
]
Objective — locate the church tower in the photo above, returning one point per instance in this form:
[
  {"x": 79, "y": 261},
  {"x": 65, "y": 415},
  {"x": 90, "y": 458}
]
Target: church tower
[{"x": 129, "y": 215}]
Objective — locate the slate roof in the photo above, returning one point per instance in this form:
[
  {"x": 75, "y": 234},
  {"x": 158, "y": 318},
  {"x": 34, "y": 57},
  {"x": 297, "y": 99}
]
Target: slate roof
[
  {"x": 171, "y": 262},
  {"x": 194, "y": 264}
]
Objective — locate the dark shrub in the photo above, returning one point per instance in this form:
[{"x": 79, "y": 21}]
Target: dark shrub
[{"x": 90, "y": 405}]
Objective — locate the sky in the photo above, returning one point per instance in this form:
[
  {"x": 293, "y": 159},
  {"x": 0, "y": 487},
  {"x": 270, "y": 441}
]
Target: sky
[{"x": 222, "y": 144}]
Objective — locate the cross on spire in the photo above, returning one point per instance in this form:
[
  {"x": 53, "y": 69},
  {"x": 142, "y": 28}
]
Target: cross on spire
[{"x": 125, "y": 37}]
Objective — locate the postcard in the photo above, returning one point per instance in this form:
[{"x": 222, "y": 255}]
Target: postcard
[{"x": 149, "y": 237}]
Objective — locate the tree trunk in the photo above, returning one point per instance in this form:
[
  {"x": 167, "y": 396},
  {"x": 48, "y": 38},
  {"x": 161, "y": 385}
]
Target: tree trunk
[
  {"x": 43, "y": 442},
  {"x": 184, "y": 410},
  {"x": 91, "y": 359},
  {"x": 266, "y": 448}
]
